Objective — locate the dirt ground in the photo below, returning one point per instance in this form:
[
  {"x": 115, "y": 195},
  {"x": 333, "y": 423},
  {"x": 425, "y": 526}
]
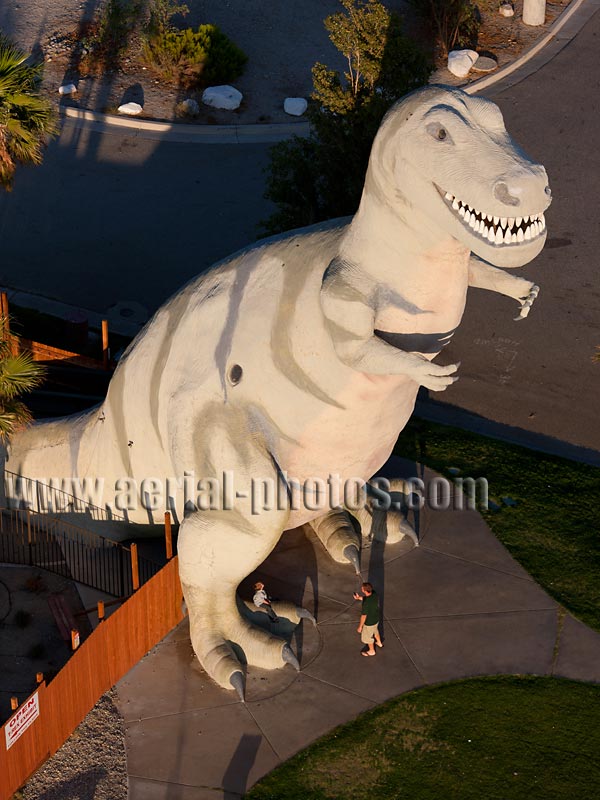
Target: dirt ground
[
  {"x": 282, "y": 41},
  {"x": 30, "y": 640}
]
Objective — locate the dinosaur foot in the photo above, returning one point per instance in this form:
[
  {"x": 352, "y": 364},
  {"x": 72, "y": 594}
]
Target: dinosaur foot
[
  {"x": 225, "y": 643},
  {"x": 339, "y": 537},
  {"x": 383, "y": 518}
]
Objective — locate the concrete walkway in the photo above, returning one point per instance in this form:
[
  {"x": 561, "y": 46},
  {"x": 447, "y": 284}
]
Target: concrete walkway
[{"x": 455, "y": 607}]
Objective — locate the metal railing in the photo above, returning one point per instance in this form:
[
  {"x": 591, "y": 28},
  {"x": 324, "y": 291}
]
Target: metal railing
[
  {"x": 50, "y": 543},
  {"x": 42, "y": 498}
]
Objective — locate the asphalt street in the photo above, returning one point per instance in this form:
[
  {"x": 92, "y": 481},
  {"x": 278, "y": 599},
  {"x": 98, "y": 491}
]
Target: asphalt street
[{"x": 114, "y": 217}]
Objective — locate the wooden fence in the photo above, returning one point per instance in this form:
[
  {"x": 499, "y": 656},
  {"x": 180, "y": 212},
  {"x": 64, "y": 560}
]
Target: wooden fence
[{"x": 107, "y": 654}]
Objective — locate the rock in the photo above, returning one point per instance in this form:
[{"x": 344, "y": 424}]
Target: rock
[
  {"x": 222, "y": 97},
  {"x": 67, "y": 88},
  {"x": 189, "y": 107},
  {"x": 485, "y": 64},
  {"x": 296, "y": 106},
  {"x": 131, "y": 109},
  {"x": 506, "y": 10},
  {"x": 454, "y": 471},
  {"x": 461, "y": 61}
]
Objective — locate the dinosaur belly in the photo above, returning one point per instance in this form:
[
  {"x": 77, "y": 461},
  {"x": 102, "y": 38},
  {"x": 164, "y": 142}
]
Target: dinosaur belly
[{"x": 342, "y": 446}]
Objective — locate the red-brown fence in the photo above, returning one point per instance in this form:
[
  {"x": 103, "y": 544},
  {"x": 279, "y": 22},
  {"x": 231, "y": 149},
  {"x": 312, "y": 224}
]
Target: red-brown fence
[{"x": 108, "y": 653}]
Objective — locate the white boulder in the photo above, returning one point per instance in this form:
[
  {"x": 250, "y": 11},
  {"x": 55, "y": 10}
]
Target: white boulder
[
  {"x": 131, "y": 109},
  {"x": 189, "y": 107},
  {"x": 461, "y": 61},
  {"x": 222, "y": 97},
  {"x": 507, "y": 10},
  {"x": 296, "y": 106},
  {"x": 67, "y": 88}
]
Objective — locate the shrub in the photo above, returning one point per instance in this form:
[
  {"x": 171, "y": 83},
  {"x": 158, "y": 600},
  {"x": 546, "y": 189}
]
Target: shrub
[
  {"x": 456, "y": 22},
  {"x": 320, "y": 177},
  {"x": 194, "y": 57}
]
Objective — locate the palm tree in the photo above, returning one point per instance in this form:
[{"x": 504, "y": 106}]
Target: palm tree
[
  {"x": 26, "y": 118},
  {"x": 18, "y": 374}
]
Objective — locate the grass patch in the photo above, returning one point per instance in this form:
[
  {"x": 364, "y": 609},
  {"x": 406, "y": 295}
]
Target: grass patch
[
  {"x": 554, "y": 529},
  {"x": 492, "y": 738}
]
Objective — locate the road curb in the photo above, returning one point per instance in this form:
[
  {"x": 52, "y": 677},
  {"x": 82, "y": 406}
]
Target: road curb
[{"x": 179, "y": 132}]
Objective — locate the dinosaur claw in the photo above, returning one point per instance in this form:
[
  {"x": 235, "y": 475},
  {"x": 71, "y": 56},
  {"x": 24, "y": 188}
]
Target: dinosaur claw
[
  {"x": 353, "y": 556},
  {"x": 303, "y": 613},
  {"x": 289, "y": 657},
  {"x": 410, "y": 532},
  {"x": 238, "y": 683}
]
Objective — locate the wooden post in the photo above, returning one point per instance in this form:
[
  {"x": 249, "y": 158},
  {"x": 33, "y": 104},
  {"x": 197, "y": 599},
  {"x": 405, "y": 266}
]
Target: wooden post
[
  {"x": 14, "y": 703},
  {"x": 534, "y": 12},
  {"x": 135, "y": 573},
  {"x": 105, "y": 343},
  {"x": 39, "y": 677},
  {"x": 100, "y": 611},
  {"x": 4, "y": 311},
  {"x": 168, "y": 536}
]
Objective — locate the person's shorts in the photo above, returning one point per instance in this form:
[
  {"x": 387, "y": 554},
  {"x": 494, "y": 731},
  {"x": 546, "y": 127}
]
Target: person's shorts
[{"x": 368, "y": 632}]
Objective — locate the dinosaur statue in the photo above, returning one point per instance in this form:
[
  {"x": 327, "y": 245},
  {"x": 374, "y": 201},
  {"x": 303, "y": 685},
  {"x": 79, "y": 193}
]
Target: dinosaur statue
[{"x": 303, "y": 354}]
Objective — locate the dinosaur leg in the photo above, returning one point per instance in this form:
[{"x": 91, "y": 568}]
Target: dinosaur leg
[
  {"x": 338, "y": 536},
  {"x": 217, "y": 549}
]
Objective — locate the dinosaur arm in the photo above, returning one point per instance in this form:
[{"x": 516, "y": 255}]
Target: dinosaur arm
[
  {"x": 483, "y": 276},
  {"x": 351, "y": 324}
]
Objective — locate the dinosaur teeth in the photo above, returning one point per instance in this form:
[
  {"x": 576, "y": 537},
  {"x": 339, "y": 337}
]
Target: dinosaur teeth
[{"x": 495, "y": 229}]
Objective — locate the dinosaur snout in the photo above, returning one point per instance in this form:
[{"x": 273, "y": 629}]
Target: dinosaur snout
[{"x": 525, "y": 188}]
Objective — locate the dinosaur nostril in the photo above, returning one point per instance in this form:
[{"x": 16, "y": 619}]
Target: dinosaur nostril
[
  {"x": 507, "y": 194},
  {"x": 548, "y": 191}
]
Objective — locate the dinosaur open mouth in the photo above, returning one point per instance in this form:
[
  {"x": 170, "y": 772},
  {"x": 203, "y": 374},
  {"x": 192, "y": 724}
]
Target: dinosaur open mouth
[{"x": 496, "y": 230}]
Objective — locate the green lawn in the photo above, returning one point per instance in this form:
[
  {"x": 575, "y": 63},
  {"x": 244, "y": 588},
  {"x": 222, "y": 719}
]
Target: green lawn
[
  {"x": 483, "y": 739},
  {"x": 554, "y": 531}
]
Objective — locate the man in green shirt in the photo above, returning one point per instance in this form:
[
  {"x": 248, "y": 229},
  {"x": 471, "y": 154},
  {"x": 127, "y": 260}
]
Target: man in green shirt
[{"x": 368, "y": 626}]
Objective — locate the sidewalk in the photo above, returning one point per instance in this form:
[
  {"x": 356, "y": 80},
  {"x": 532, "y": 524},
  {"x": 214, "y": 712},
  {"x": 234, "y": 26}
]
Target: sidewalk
[{"x": 458, "y": 606}]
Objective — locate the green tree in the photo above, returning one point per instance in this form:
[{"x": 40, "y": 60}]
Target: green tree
[
  {"x": 320, "y": 177},
  {"x": 26, "y": 118},
  {"x": 18, "y": 374}
]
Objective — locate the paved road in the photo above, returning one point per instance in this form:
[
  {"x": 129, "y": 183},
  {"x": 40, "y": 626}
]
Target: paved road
[
  {"x": 538, "y": 374},
  {"x": 110, "y": 217}
]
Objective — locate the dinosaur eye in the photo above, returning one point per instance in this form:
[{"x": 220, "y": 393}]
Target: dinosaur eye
[{"x": 441, "y": 134}]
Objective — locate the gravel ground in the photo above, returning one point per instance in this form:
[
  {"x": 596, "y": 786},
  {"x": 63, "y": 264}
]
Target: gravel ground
[{"x": 91, "y": 765}]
